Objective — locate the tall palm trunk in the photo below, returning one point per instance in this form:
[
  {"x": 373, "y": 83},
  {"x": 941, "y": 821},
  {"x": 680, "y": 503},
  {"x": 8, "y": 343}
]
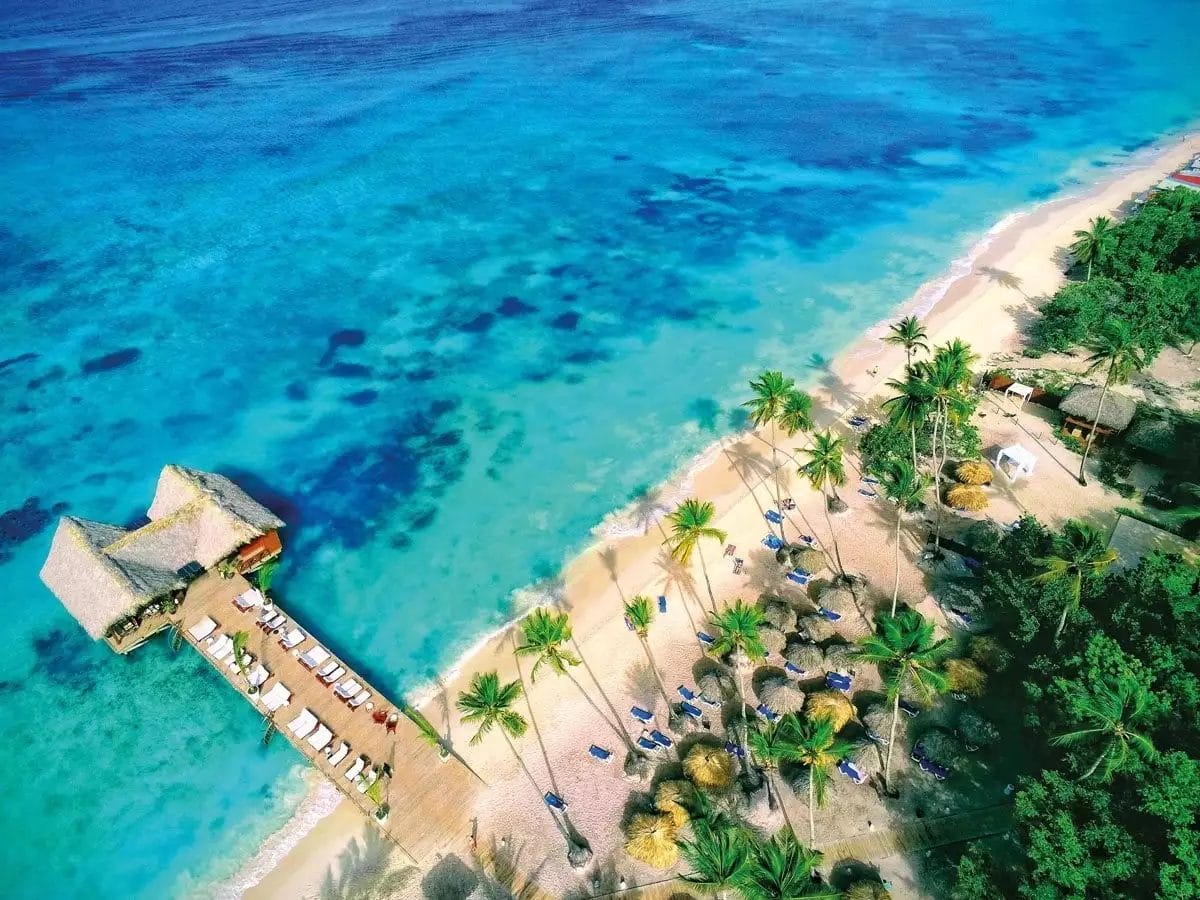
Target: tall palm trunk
[
  {"x": 778, "y": 486},
  {"x": 712, "y": 600},
  {"x": 537, "y": 790},
  {"x": 1094, "y": 766},
  {"x": 662, "y": 688},
  {"x": 812, "y": 804},
  {"x": 939, "y": 418},
  {"x": 617, "y": 730},
  {"x": 912, "y": 430},
  {"x": 837, "y": 553},
  {"x": 1062, "y": 620},
  {"x": 896, "y": 584},
  {"x": 1089, "y": 274},
  {"x": 887, "y": 763},
  {"x": 1087, "y": 447}
]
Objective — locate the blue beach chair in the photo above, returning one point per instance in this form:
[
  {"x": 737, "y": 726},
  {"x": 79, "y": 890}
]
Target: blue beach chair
[
  {"x": 838, "y": 681},
  {"x": 641, "y": 715},
  {"x": 555, "y": 801},
  {"x": 689, "y": 710},
  {"x": 793, "y": 668},
  {"x": 867, "y": 492},
  {"x": 910, "y": 709},
  {"x": 798, "y": 577},
  {"x": 661, "y": 739},
  {"x": 828, "y": 614},
  {"x": 808, "y": 539},
  {"x": 869, "y": 480},
  {"x": 686, "y": 693},
  {"x": 766, "y": 712},
  {"x": 600, "y": 753},
  {"x": 735, "y": 749},
  {"x": 662, "y": 603},
  {"x": 772, "y": 542},
  {"x": 706, "y": 639},
  {"x": 847, "y": 769},
  {"x": 647, "y": 744},
  {"x": 773, "y": 516}
]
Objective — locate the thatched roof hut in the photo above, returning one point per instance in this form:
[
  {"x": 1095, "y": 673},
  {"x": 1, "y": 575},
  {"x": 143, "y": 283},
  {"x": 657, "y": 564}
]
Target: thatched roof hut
[
  {"x": 782, "y": 695},
  {"x": 817, "y": 628},
  {"x": 651, "y": 839},
  {"x": 976, "y": 730},
  {"x": 676, "y": 799},
  {"x": 966, "y": 497},
  {"x": 839, "y": 600},
  {"x": 866, "y": 758},
  {"x": 805, "y": 656},
  {"x": 1082, "y": 401},
  {"x": 102, "y": 573},
  {"x": 942, "y": 747},
  {"x": 709, "y": 767},
  {"x": 716, "y": 685},
  {"x": 840, "y": 658},
  {"x": 1167, "y": 435},
  {"x": 779, "y": 614},
  {"x": 833, "y": 705},
  {"x": 772, "y": 638},
  {"x": 974, "y": 471}
]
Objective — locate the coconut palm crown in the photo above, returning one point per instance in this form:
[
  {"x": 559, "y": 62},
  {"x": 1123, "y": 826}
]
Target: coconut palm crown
[
  {"x": 782, "y": 868},
  {"x": 691, "y": 523},
  {"x": 487, "y": 704},
  {"x": 1117, "y": 352},
  {"x": 545, "y": 635},
  {"x": 1111, "y": 715},
  {"x": 910, "y": 334},
  {"x": 1079, "y": 554},
  {"x": 716, "y": 856},
  {"x": 1095, "y": 243},
  {"x": 815, "y": 744}
]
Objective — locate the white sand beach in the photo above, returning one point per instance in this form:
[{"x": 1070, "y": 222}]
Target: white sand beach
[{"x": 984, "y": 306}]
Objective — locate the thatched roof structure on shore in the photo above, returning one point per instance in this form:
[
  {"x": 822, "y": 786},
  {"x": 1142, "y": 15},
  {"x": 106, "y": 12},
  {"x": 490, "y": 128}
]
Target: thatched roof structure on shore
[
  {"x": 779, "y": 614},
  {"x": 772, "y": 638},
  {"x": 781, "y": 695},
  {"x": 716, "y": 685},
  {"x": 1083, "y": 400},
  {"x": 102, "y": 573},
  {"x": 805, "y": 656}
]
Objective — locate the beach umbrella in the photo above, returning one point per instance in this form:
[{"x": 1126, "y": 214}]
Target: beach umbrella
[
  {"x": 867, "y": 758},
  {"x": 716, "y": 685},
  {"x": 839, "y": 600},
  {"x": 709, "y": 767},
  {"x": 772, "y": 638},
  {"x": 878, "y": 722},
  {"x": 974, "y": 471},
  {"x": 832, "y": 705},
  {"x": 675, "y": 799},
  {"x": 782, "y": 695},
  {"x": 806, "y": 656},
  {"x": 780, "y": 615},
  {"x": 867, "y": 890},
  {"x": 976, "y": 731},
  {"x": 989, "y": 654},
  {"x": 965, "y": 677},
  {"x": 808, "y": 559},
  {"x": 967, "y": 498},
  {"x": 942, "y": 747},
  {"x": 651, "y": 839},
  {"x": 840, "y": 658},
  {"x": 817, "y": 628}
]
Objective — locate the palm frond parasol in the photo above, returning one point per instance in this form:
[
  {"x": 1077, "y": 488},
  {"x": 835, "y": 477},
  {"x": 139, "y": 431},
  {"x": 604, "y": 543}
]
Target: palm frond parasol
[
  {"x": 782, "y": 695},
  {"x": 716, "y": 685},
  {"x": 975, "y": 730},
  {"x": 651, "y": 839},
  {"x": 818, "y": 628},
  {"x": 805, "y": 656},
  {"x": 676, "y": 799},
  {"x": 832, "y": 705},
  {"x": 867, "y": 890},
  {"x": 866, "y": 758},
  {"x": 965, "y": 677},
  {"x": 808, "y": 559},
  {"x": 840, "y": 658},
  {"x": 840, "y": 600},
  {"x": 772, "y": 638},
  {"x": 974, "y": 471},
  {"x": 966, "y": 497},
  {"x": 780, "y": 615},
  {"x": 989, "y": 653},
  {"x": 942, "y": 747},
  {"x": 878, "y": 722},
  {"x": 853, "y": 626},
  {"x": 709, "y": 767}
]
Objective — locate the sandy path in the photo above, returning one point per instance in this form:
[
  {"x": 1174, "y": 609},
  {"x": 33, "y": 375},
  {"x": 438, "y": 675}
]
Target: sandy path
[{"x": 984, "y": 308}]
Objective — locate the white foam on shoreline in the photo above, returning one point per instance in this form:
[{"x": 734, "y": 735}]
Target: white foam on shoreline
[{"x": 639, "y": 515}]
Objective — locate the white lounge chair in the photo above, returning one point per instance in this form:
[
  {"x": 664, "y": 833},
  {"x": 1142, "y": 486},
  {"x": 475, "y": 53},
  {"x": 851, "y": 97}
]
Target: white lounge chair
[
  {"x": 292, "y": 638},
  {"x": 368, "y": 779},
  {"x": 334, "y": 675},
  {"x": 259, "y": 676},
  {"x": 267, "y": 614},
  {"x": 359, "y": 699},
  {"x": 274, "y": 623},
  {"x": 222, "y": 648},
  {"x": 359, "y": 765},
  {"x": 202, "y": 629},
  {"x": 313, "y": 657},
  {"x": 339, "y": 754},
  {"x": 303, "y": 725},
  {"x": 247, "y": 659},
  {"x": 347, "y": 689},
  {"x": 248, "y": 600},
  {"x": 319, "y": 738},
  {"x": 327, "y": 668},
  {"x": 276, "y": 698}
]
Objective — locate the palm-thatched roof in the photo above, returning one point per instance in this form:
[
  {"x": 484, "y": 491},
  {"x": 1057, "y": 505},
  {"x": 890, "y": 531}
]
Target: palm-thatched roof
[
  {"x": 942, "y": 747},
  {"x": 866, "y": 757},
  {"x": 878, "y": 722},
  {"x": 840, "y": 600},
  {"x": 102, "y": 573},
  {"x": 772, "y": 638},
  {"x": 716, "y": 685},
  {"x": 1082, "y": 401},
  {"x": 965, "y": 677},
  {"x": 779, "y": 614},
  {"x": 709, "y": 767},
  {"x": 1168, "y": 435},
  {"x": 818, "y": 628},
  {"x": 976, "y": 730},
  {"x": 675, "y": 799},
  {"x": 832, "y": 705},
  {"x": 805, "y": 656},
  {"x": 651, "y": 839},
  {"x": 782, "y": 695},
  {"x": 840, "y": 658}
]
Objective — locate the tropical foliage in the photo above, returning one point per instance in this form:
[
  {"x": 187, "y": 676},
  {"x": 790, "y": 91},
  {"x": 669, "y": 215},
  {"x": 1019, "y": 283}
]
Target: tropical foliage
[{"x": 690, "y": 524}]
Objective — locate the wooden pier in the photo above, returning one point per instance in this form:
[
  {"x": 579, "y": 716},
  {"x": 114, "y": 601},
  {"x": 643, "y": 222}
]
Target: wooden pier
[{"x": 423, "y": 815}]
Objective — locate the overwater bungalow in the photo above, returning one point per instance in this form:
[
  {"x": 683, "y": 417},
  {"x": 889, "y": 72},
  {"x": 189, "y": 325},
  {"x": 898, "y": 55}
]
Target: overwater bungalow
[{"x": 121, "y": 584}]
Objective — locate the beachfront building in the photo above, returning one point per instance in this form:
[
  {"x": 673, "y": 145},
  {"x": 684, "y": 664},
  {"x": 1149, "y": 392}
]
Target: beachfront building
[
  {"x": 1081, "y": 408},
  {"x": 122, "y": 584}
]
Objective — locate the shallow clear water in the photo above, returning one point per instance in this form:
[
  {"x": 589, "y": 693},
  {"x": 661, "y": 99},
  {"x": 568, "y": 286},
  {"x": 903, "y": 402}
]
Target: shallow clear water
[{"x": 442, "y": 290}]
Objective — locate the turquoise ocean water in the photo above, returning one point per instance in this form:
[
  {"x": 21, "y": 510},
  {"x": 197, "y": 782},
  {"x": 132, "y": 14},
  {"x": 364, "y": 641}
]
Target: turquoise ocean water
[{"x": 443, "y": 284}]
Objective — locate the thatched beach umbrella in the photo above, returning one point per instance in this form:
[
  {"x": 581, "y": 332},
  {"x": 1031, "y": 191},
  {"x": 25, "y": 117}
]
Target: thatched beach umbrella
[
  {"x": 772, "y": 638},
  {"x": 853, "y": 627},
  {"x": 867, "y": 890},
  {"x": 942, "y": 747},
  {"x": 838, "y": 600},
  {"x": 709, "y": 767},
  {"x": 965, "y": 677},
  {"x": 976, "y": 731},
  {"x": 840, "y": 658},
  {"x": 832, "y": 705},
  {"x": 675, "y": 799},
  {"x": 966, "y": 498},
  {"x": 780, "y": 615},
  {"x": 818, "y": 628},
  {"x": 651, "y": 839},
  {"x": 810, "y": 560},
  {"x": 805, "y": 656},
  {"x": 974, "y": 471},
  {"x": 878, "y": 722},
  {"x": 989, "y": 653},
  {"x": 782, "y": 695},
  {"x": 716, "y": 685},
  {"x": 866, "y": 758}
]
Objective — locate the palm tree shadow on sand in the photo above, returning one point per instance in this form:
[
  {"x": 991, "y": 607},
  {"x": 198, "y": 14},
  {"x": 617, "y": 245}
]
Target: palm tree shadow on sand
[{"x": 363, "y": 870}]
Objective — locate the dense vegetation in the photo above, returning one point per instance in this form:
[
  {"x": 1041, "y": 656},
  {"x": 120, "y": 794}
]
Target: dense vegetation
[
  {"x": 1112, "y": 712},
  {"x": 1144, "y": 271}
]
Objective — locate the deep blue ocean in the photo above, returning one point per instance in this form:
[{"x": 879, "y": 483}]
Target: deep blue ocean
[{"x": 443, "y": 284}]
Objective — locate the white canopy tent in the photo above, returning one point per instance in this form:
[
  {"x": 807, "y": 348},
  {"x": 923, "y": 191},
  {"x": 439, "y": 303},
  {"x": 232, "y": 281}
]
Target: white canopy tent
[
  {"x": 1020, "y": 460},
  {"x": 1023, "y": 391}
]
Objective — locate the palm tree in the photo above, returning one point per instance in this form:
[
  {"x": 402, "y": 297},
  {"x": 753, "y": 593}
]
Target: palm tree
[
  {"x": 487, "y": 704},
  {"x": 945, "y": 376},
  {"x": 1079, "y": 553},
  {"x": 1111, "y": 715},
  {"x": 1094, "y": 244},
  {"x": 545, "y": 636},
  {"x": 265, "y": 576},
  {"x": 908, "y": 657},
  {"x": 910, "y": 407},
  {"x": 781, "y": 869},
  {"x": 737, "y": 634},
  {"x": 815, "y": 744},
  {"x": 771, "y": 744},
  {"x": 690, "y": 524},
  {"x": 910, "y": 334},
  {"x": 824, "y": 470},
  {"x": 239, "y": 654},
  {"x": 797, "y": 413},
  {"x": 717, "y": 856},
  {"x": 904, "y": 487},
  {"x": 640, "y": 613},
  {"x": 771, "y": 390},
  {"x": 1115, "y": 350}
]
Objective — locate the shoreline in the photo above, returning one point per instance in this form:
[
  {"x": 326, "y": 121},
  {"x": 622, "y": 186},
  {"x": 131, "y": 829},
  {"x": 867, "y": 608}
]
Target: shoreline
[{"x": 292, "y": 859}]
